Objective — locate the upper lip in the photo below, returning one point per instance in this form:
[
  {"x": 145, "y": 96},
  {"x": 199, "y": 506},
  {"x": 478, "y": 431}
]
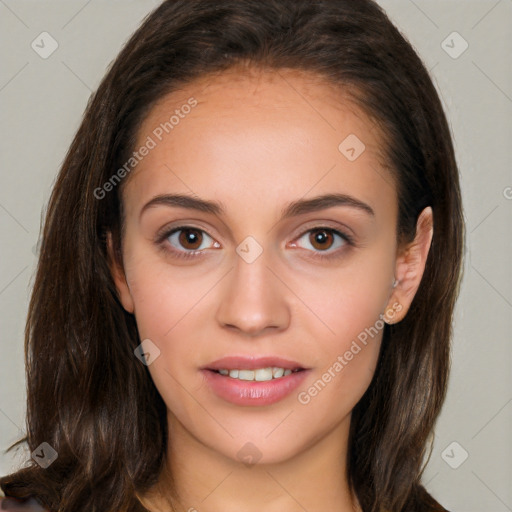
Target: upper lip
[{"x": 252, "y": 363}]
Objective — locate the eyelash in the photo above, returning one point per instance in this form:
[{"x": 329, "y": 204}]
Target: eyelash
[{"x": 161, "y": 238}]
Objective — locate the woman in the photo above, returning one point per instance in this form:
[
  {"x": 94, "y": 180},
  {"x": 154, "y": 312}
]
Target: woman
[{"x": 248, "y": 271}]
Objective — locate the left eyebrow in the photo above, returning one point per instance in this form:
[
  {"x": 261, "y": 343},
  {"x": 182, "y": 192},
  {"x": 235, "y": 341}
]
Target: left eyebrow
[
  {"x": 295, "y": 208},
  {"x": 303, "y": 206}
]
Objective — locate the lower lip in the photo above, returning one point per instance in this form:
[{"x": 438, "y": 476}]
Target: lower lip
[{"x": 253, "y": 393}]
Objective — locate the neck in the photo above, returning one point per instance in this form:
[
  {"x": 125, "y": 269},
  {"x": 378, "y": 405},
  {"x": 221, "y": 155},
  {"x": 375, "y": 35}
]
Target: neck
[{"x": 205, "y": 480}]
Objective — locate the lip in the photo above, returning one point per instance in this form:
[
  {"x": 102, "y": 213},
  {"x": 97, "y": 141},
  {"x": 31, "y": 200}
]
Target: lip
[
  {"x": 252, "y": 393},
  {"x": 252, "y": 363}
]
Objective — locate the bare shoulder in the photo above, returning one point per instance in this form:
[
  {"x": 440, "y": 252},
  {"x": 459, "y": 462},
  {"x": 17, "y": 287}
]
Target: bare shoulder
[{"x": 14, "y": 505}]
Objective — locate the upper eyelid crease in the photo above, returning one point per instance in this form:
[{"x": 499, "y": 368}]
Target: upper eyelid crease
[
  {"x": 316, "y": 255},
  {"x": 166, "y": 233}
]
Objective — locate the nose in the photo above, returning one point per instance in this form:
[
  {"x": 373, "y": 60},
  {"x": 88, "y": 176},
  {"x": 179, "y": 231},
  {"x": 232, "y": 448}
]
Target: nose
[{"x": 253, "y": 300}]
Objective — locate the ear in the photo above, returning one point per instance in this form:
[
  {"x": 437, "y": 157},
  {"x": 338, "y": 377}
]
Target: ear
[
  {"x": 409, "y": 268},
  {"x": 118, "y": 275}
]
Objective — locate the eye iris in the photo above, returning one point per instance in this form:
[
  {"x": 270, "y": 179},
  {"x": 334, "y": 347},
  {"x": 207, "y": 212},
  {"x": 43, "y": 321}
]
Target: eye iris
[
  {"x": 320, "y": 237},
  {"x": 190, "y": 236}
]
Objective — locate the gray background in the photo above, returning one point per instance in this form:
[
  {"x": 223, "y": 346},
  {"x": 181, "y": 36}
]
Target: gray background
[{"x": 42, "y": 102}]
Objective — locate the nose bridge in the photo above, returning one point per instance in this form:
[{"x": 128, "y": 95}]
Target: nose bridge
[{"x": 253, "y": 298}]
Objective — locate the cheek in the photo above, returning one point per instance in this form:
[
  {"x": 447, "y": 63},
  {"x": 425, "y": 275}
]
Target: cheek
[
  {"x": 344, "y": 304},
  {"x": 164, "y": 297},
  {"x": 346, "y": 359},
  {"x": 168, "y": 308},
  {"x": 348, "y": 332}
]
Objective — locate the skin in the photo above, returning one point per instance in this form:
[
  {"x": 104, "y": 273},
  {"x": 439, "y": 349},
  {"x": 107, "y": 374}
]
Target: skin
[{"x": 256, "y": 142}]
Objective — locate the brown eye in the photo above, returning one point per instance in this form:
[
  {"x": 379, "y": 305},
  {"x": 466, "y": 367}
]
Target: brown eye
[
  {"x": 324, "y": 242},
  {"x": 321, "y": 239},
  {"x": 188, "y": 241},
  {"x": 190, "y": 238}
]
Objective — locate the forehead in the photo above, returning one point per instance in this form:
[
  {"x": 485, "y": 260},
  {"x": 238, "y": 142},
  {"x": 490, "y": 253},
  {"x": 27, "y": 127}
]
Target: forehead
[
  {"x": 285, "y": 93},
  {"x": 259, "y": 86},
  {"x": 268, "y": 130}
]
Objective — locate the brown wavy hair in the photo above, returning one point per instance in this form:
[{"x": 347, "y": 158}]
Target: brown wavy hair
[{"x": 89, "y": 397}]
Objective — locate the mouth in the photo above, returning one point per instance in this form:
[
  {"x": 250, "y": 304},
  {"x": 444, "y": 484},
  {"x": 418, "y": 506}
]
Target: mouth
[
  {"x": 250, "y": 382},
  {"x": 260, "y": 369},
  {"x": 254, "y": 387},
  {"x": 259, "y": 374}
]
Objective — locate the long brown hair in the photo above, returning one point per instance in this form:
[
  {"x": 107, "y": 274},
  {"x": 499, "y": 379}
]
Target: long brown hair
[{"x": 89, "y": 397}]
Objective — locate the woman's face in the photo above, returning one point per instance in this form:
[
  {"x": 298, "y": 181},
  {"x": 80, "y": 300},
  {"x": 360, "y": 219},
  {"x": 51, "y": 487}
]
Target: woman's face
[{"x": 268, "y": 269}]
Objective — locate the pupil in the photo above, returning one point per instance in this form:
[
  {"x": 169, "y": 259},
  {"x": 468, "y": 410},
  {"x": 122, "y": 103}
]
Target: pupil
[
  {"x": 320, "y": 238},
  {"x": 189, "y": 237}
]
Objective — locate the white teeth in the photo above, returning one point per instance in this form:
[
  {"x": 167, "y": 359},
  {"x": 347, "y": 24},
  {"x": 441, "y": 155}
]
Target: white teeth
[
  {"x": 263, "y": 374},
  {"x": 245, "y": 374},
  {"x": 277, "y": 372},
  {"x": 258, "y": 375}
]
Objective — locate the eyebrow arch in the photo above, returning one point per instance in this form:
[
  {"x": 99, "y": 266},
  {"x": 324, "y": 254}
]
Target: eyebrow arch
[{"x": 295, "y": 208}]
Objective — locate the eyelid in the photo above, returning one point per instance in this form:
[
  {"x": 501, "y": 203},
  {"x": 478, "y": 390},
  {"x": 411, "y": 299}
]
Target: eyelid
[
  {"x": 345, "y": 236},
  {"x": 167, "y": 230},
  {"x": 339, "y": 227},
  {"x": 328, "y": 254},
  {"x": 163, "y": 234}
]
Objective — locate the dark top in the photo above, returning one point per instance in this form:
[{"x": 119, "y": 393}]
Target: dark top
[{"x": 15, "y": 505}]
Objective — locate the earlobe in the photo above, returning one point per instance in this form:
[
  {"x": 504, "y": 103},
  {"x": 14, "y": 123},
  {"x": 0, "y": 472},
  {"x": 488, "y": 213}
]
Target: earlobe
[
  {"x": 410, "y": 266},
  {"x": 118, "y": 275}
]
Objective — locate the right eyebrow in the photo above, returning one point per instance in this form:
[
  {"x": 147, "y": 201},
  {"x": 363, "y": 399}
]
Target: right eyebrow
[{"x": 185, "y": 201}]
